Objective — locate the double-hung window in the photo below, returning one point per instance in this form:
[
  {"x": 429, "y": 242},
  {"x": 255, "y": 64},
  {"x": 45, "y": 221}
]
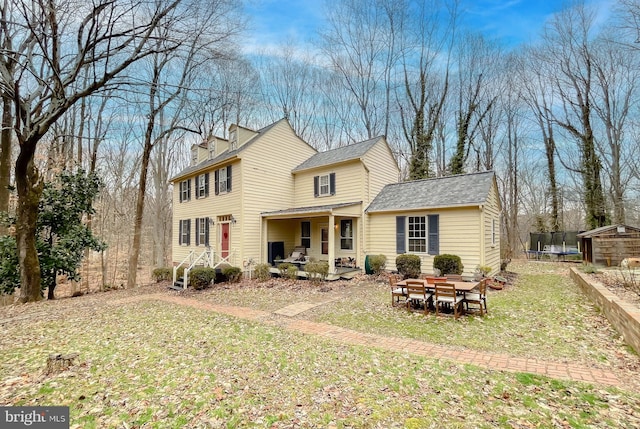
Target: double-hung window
[
  {"x": 223, "y": 180},
  {"x": 184, "y": 235},
  {"x": 222, "y": 184},
  {"x": 324, "y": 185},
  {"x": 346, "y": 234},
  {"x": 305, "y": 234},
  {"x": 417, "y": 234},
  {"x": 202, "y": 185},
  {"x": 202, "y": 231},
  {"x": 185, "y": 190}
]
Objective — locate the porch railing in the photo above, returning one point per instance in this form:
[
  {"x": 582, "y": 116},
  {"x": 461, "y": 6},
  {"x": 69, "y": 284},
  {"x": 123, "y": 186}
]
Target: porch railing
[{"x": 208, "y": 258}]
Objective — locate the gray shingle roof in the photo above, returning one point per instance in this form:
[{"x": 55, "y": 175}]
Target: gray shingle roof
[
  {"x": 224, "y": 155},
  {"x": 341, "y": 154},
  {"x": 450, "y": 191},
  {"x": 310, "y": 209}
]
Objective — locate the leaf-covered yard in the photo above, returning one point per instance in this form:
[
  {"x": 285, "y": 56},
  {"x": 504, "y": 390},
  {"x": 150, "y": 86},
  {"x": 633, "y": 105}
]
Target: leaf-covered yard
[{"x": 156, "y": 364}]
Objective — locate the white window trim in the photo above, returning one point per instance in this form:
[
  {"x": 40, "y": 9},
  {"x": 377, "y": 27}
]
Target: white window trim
[
  {"x": 351, "y": 237},
  {"x": 321, "y": 179},
  {"x": 185, "y": 232},
  {"x": 184, "y": 190},
  {"x": 222, "y": 178},
  {"x": 493, "y": 232},
  {"x": 201, "y": 187},
  {"x": 424, "y": 238},
  {"x": 202, "y": 231}
]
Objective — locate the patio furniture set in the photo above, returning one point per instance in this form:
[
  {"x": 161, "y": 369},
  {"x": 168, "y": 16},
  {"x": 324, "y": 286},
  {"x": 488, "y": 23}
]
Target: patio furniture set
[{"x": 440, "y": 294}]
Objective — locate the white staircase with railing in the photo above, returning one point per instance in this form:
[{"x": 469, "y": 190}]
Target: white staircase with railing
[{"x": 208, "y": 258}]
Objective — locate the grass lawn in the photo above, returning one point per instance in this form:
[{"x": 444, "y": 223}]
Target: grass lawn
[{"x": 154, "y": 364}]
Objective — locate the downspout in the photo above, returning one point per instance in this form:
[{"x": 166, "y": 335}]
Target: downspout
[
  {"x": 482, "y": 237},
  {"x": 364, "y": 228}
]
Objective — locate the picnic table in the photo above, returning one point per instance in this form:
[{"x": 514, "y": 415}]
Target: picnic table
[{"x": 460, "y": 286}]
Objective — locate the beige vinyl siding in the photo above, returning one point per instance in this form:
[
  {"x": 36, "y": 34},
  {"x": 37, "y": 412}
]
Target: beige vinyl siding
[
  {"x": 350, "y": 185},
  {"x": 383, "y": 170},
  {"x": 244, "y": 135},
  {"x": 491, "y": 215},
  {"x": 458, "y": 235},
  {"x": 267, "y": 183},
  {"x": 212, "y": 207}
]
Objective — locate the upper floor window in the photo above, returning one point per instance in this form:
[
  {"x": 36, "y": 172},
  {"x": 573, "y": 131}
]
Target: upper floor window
[
  {"x": 185, "y": 190},
  {"x": 223, "y": 180},
  {"x": 233, "y": 140},
  {"x": 202, "y": 185},
  {"x": 346, "y": 234},
  {"x": 194, "y": 155},
  {"x": 324, "y": 185}
]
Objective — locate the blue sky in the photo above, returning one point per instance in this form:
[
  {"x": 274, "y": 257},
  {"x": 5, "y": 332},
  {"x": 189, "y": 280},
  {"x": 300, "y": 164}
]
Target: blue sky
[{"x": 274, "y": 22}]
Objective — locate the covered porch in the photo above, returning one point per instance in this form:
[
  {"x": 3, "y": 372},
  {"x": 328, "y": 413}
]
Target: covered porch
[{"x": 331, "y": 233}]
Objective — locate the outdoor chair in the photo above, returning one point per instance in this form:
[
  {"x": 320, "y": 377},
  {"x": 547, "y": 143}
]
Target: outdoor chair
[
  {"x": 446, "y": 297},
  {"x": 297, "y": 255},
  {"x": 433, "y": 280},
  {"x": 417, "y": 292},
  {"x": 478, "y": 298},
  {"x": 397, "y": 292}
]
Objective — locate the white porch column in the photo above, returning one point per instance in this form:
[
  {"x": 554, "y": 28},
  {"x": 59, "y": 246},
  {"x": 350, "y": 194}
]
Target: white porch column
[
  {"x": 264, "y": 234},
  {"x": 332, "y": 244}
]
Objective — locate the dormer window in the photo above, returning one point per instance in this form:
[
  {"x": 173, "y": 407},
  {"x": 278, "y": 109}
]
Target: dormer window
[
  {"x": 194, "y": 155},
  {"x": 212, "y": 148},
  {"x": 233, "y": 140}
]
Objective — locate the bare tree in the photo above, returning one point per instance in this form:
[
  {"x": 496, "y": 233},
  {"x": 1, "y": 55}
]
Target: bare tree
[
  {"x": 361, "y": 45},
  {"x": 475, "y": 95},
  {"x": 426, "y": 83},
  {"x": 616, "y": 74},
  {"x": 538, "y": 95},
  {"x": 47, "y": 47},
  {"x": 569, "y": 56},
  {"x": 200, "y": 38}
]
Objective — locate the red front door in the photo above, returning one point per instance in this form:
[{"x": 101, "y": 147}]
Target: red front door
[{"x": 224, "y": 244}]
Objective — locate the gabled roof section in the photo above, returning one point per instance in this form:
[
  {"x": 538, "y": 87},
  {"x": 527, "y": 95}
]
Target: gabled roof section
[
  {"x": 224, "y": 156},
  {"x": 335, "y": 156},
  {"x": 450, "y": 191},
  {"x": 608, "y": 228}
]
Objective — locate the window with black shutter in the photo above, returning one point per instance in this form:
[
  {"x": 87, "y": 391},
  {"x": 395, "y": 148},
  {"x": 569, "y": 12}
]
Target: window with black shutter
[{"x": 324, "y": 185}]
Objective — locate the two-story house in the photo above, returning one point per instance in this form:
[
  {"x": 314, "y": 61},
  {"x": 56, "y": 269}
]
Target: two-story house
[{"x": 260, "y": 194}]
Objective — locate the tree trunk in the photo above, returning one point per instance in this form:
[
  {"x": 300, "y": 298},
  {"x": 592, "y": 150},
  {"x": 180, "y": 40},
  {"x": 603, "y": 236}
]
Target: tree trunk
[
  {"x": 137, "y": 223},
  {"x": 30, "y": 189},
  {"x": 5, "y": 157}
]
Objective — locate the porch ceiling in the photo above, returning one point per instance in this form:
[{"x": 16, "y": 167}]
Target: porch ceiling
[{"x": 325, "y": 210}]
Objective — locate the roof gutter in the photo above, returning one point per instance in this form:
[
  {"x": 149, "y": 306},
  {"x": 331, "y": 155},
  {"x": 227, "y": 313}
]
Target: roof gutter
[{"x": 203, "y": 169}]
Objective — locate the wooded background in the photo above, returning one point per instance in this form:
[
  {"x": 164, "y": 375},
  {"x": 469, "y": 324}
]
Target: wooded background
[{"x": 557, "y": 119}]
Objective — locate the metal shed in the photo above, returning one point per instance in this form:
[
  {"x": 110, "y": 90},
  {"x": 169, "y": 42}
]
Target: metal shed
[{"x": 608, "y": 245}]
